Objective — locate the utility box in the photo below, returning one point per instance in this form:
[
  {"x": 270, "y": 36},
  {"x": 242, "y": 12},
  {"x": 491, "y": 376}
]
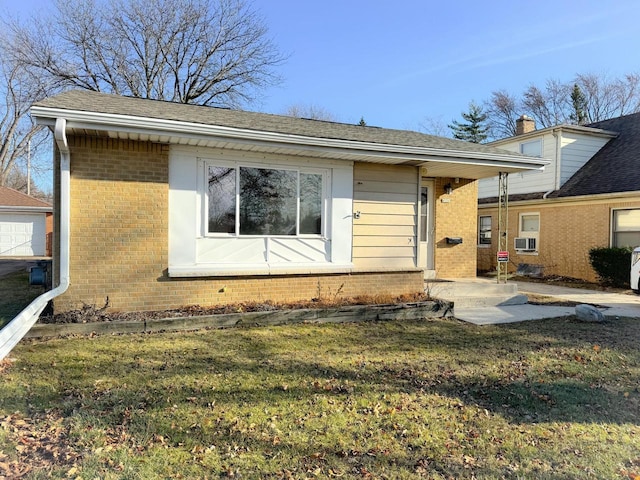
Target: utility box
[
  {"x": 635, "y": 270},
  {"x": 41, "y": 274}
]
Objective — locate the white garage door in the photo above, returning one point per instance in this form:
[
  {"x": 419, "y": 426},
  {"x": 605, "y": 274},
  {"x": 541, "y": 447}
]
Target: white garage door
[{"x": 22, "y": 234}]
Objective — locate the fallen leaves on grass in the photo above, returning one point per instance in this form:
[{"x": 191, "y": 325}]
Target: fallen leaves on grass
[{"x": 41, "y": 443}]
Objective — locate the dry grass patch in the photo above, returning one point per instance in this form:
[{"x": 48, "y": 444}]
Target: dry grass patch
[{"x": 421, "y": 399}]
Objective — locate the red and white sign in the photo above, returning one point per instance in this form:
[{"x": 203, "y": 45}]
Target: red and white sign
[{"x": 503, "y": 256}]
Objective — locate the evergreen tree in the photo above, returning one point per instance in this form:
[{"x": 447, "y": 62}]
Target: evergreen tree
[
  {"x": 579, "y": 106},
  {"x": 474, "y": 128},
  {"x": 362, "y": 123}
]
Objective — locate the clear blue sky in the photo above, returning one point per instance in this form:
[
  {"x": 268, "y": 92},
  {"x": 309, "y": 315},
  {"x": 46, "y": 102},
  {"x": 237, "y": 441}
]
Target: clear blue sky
[{"x": 398, "y": 62}]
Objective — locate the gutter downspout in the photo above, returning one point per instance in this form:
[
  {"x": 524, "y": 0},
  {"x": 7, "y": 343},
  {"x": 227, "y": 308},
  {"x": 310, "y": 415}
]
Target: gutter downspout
[
  {"x": 556, "y": 180},
  {"x": 17, "y": 328}
]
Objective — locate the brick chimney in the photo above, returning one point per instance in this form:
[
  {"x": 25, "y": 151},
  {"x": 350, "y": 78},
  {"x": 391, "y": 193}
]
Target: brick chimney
[{"x": 525, "y": 125}]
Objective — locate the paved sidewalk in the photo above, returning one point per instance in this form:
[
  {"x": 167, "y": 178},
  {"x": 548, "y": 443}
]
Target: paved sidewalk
[{"x": 612, "y": 305}]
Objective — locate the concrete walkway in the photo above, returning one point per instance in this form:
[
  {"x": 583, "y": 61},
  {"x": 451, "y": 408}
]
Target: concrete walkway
[{"x": 611, "y": 304}]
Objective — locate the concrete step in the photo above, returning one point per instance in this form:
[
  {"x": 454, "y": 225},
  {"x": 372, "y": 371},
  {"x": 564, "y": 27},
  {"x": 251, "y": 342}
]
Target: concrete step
[
  {"x": 476, "y": 294},
  {"x": 488, "y": 301},
  {"x": 469, "y": 289}
]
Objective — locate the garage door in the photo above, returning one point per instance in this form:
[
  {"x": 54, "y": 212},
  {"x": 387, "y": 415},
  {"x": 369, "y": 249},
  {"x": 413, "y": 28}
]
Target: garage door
[{"x": 22, "y": 235}]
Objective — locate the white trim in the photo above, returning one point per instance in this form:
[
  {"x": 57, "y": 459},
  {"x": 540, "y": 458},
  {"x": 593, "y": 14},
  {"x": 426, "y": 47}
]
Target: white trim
[
  {"x": 163, "y": 127},
  {"x": 524, "y": 234},
  {"x": 612, "y": 221},
  {"x": 15, "y": 209},
  {"x": 200, "y": 253}
]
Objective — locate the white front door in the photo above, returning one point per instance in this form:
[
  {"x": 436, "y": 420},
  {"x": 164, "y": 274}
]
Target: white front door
[{"x": 426, "y": 251}]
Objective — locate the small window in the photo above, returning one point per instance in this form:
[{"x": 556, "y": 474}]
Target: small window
[
  {"x": 531, "y": 149},
  {"x": 484, "y": 230},
  {"x": 626, "y": 228},
  {"x": 529, "y": 227}
]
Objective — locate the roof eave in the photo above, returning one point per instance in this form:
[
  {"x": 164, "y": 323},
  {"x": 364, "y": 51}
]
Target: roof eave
[
  {"x": 403, "y": 154},
  {"x": 598, "y": 132},
  {"x": 25, "y": 209}
]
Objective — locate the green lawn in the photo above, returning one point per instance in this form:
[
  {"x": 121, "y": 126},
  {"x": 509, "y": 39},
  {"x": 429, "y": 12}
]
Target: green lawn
[
  {"x": 15, "y": 294},
  {"x": 551, "y": 399}
]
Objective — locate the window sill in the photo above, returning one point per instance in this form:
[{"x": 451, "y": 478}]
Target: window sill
[
  {"x": 208, "y": 270},
  {"x": 484, "y": 245},
  {"x": 521, "y": 252}
]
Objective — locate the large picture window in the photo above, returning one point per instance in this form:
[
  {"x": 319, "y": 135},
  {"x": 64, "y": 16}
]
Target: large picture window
[
  {"x": 626, "y": 228},
  {"x": 264, "y": 201}
]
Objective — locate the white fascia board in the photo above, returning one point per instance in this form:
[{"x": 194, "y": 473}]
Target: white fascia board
[
  {"x": 163, "y": 127},
  {"x": 595, "y": 132}
]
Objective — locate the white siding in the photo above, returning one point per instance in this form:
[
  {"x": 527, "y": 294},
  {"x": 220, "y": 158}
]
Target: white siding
[
  {"x": 576, "y": 151},
  {"x": 525, "y": 182},
  {"x": 192, "y": 252},
  {"x": 385, "y": 234}
]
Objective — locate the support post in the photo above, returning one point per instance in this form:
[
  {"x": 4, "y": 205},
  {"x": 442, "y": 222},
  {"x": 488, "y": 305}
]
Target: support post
[{"x": 503, "y": 227}]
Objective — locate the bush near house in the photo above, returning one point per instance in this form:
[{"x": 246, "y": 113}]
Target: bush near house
[{"x": 612, "y": 265}]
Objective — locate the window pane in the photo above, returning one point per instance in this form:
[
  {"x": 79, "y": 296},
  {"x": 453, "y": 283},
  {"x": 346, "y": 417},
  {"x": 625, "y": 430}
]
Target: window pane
[
  {"x": 484, "y": 230},
  {"x": 530, "y": 223},
  {"x": 424, "y": 209},
  {"x": 626, "y": 239},
  {"x": 626, "y": 220},
  {"x": 268, "y": 201},
  {"x": 310, "y": 203},
  {"x": 222, "y": 200},
  {"x": 532, "y": 149}
]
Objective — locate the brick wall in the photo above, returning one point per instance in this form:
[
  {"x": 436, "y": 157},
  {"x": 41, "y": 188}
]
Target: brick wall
[
  {"x": 568, "y": 230},
  {"x": 455, "y": 216},
  {"x": 119, "y": 234}
]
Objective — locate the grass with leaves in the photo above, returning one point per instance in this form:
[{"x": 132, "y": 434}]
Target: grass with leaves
[{"x": 554, "y": 399}]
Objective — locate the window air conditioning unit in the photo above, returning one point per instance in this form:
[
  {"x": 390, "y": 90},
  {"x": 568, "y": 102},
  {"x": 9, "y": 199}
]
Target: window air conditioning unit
[{"x": 527, "y": 244}]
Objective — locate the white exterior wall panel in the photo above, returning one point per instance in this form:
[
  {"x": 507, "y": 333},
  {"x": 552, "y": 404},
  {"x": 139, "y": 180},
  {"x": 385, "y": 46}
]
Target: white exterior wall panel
[{"x": 385, "y": 234}]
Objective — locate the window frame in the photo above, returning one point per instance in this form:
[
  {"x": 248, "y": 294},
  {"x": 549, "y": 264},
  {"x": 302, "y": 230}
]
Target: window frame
[
  {"x": 612, "y": 240},
  {"x": 529, "y": 234},
  {"x": 325, "y": 211},
  {"x": 482, "y": 244}
]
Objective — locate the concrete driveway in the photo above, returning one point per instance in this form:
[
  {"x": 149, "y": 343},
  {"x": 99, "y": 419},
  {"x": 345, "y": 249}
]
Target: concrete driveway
[{"x": 10, "y": 265}]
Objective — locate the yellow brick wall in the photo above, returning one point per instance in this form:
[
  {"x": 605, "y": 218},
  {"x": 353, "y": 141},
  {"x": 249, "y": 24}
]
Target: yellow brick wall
[
  {"x": 568, "y": 230},
  {"x": 119, "y": 235},
  {"x": 455, "y": 216}
]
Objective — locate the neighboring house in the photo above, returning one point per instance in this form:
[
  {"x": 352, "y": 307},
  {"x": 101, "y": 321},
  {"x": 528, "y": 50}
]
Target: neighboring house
[
  {"x": 26, "y": 225},
  {"x": 166, "y": 204},
  {"x": 589, "y": 196}
]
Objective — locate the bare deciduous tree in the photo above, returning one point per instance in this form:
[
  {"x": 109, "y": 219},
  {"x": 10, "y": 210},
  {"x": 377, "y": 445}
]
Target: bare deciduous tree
[
  {"x": 207, "y": 52},
  {"x": 502, "y": 111},
  {"x": 19, "y": 137},
  {"x": 313, "y": 112},
  {"x": 600, "y": 99}
]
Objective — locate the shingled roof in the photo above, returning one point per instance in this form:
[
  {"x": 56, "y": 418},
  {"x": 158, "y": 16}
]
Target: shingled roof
[
  {"x": 87, "y": 101},
  {"x": 13, "y": 198},
  {"x": 615, "y": 167}
]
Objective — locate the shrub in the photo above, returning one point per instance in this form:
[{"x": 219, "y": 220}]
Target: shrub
[{"x": 612, "y": 265}]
